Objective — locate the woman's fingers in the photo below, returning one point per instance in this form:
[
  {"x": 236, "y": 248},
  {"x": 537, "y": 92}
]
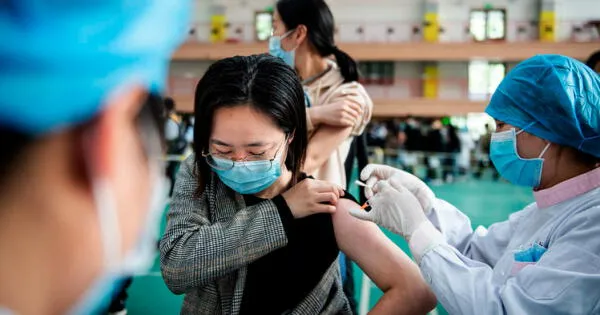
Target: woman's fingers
[
  {"x": 347, "y": 122},
  {"x": 349, "y": 118},
  {"x": 323, "y": 208},
  {"x": 350, "y": 113},
  {"x": 353, "y": 109},
  {"x": 341, "y": 191},
  {"x": 356, "y": 108},
  {"x": 328, "y": 197},
  {"x": 322, "y": 186}
]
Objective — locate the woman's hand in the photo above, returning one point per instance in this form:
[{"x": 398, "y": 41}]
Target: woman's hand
[
  {"x": 342, "y": 113},
  {"x": 312, "y": 196}
]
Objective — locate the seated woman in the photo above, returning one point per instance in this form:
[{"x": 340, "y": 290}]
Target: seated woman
[{"x": 247, "y": 231}]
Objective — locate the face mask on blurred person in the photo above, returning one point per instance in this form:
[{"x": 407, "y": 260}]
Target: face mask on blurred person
[
  {"x": 139, "y": 258},
  {"x": 276, "y": 50}
]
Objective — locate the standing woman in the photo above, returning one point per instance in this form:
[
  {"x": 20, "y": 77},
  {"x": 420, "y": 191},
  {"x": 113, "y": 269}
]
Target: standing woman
[{"x": 340, "y": 108}]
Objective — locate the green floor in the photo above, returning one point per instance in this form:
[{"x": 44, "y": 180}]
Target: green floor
[{"x": 484, "y": 202}]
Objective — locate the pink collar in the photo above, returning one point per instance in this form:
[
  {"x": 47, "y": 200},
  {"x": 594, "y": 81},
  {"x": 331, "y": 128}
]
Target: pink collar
[{"x": 568, "y": 189}]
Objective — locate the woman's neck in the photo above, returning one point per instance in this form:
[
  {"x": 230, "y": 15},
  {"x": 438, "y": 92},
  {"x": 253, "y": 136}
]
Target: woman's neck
[
  {"x": 281, "y": 185},
  {"x": 562, "y": 176},
  {"x": 310, "y": 65}
]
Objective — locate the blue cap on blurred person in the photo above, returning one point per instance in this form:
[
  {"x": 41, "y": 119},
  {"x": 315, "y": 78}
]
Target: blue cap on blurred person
[
  {"x": 560, "y": 98},
  {"x": 60, "y": 60}
]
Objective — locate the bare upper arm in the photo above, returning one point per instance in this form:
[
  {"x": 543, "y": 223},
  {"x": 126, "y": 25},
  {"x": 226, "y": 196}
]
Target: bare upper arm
[
  {"x": 321, "y": 145},
  {"x": 384, "y": 262}
]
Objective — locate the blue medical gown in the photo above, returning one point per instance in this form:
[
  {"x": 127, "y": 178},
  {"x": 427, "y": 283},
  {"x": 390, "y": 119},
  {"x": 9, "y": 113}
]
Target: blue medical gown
[{"x": 476, "y": 273}]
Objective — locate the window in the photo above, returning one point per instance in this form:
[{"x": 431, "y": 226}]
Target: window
[
  {"x": 263, "y": 25},
  {"x": 477, "y": 25},
  {"x": 488, "y": 24},
  {"x": 484, "y": 78}
]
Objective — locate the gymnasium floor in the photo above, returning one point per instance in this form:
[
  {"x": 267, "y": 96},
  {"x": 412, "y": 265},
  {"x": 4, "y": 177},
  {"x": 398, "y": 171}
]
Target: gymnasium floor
[{"x": 484, "y": 201}]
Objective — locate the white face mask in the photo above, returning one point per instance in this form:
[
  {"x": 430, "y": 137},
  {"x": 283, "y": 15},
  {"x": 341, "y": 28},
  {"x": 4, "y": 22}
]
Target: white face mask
[{"x": 138, "y": 259}]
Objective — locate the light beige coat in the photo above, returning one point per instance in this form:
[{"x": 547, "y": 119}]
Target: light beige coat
[{"x": 329, "y": 89}]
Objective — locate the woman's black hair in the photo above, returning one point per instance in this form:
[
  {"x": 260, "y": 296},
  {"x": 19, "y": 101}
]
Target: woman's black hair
[
  {"x": 264, "y": 83},
  {"x": 593, "y": 60},
  {"x": 317, "y": 17}
]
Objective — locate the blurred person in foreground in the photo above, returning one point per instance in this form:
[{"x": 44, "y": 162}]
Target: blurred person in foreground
[
  {"x": 545, "y": 259},
  {"x": 80, "y": 130}
]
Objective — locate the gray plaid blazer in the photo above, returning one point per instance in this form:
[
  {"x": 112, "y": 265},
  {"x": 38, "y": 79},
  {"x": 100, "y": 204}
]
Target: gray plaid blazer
[{"x": 211, "y": 239}]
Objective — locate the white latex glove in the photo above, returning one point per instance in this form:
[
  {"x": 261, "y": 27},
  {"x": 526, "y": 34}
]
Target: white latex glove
[
  {"x": 374, "y": 173},
  {"x": 394, "y": 208}
]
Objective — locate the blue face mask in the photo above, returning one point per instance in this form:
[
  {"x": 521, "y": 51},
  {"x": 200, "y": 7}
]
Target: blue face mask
[
  {"x": 249, "y": 177},
  {"x": 512, "y": 167},
  {"x": 275, "y": 50}
]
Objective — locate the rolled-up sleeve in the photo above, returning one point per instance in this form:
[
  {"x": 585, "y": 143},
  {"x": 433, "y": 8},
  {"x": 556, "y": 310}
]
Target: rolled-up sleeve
[{"x": 195, "y": 250}]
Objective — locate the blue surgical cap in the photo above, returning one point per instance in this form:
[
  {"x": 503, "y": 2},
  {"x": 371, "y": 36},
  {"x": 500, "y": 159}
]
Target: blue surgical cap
[
  {"x": 60, "y": 60},
  {"x": 559, "y": 97}
]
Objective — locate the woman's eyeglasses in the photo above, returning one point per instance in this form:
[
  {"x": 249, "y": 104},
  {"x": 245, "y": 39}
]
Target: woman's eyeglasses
[{"x": 254, "y": 163}]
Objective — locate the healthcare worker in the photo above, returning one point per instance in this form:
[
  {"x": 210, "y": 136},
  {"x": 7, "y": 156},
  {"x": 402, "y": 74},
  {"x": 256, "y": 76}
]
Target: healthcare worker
[
  {"x": 546, "y": 258},
  {"x": 80, "y": 142}
]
